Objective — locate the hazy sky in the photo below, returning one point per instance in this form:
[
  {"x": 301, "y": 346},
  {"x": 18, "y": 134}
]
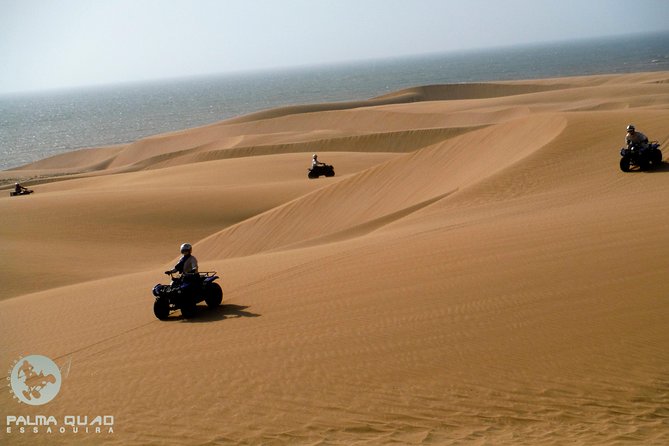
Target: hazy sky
[{"x": 62, "y": 43}]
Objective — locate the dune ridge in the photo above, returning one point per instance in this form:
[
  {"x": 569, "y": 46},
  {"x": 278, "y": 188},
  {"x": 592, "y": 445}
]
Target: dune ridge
[{"x": 479, "y": 271}]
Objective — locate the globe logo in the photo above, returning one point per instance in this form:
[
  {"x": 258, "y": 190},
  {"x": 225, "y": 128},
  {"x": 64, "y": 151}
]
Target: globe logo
[{"x": 35, "y": 380}]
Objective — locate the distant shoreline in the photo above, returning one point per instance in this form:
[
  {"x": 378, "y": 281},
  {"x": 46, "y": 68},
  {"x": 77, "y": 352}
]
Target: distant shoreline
[
  {"x": 39, "y": 125},
  {"x": 345, "y": 64}
]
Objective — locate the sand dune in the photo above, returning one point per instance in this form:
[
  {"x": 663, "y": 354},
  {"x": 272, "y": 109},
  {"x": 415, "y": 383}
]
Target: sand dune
[{"x": 478, "y": 272}]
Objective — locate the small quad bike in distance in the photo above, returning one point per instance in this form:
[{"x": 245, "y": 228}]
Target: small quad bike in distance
[
  {"x": 22, "y": 192},
  {"x": 317, "y": 171}
]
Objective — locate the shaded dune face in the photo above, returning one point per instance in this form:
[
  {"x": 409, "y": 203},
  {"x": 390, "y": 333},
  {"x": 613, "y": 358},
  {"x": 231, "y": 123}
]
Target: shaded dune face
[{"x": 479, "y": 270}]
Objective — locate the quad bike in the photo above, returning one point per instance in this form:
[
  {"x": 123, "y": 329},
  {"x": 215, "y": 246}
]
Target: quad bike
[
  {"x": 21, "y": 192},
  {"x": 644, "y": 158},
  {"x": 185, "y": 292},
  {"x": 317, "y": 171}
]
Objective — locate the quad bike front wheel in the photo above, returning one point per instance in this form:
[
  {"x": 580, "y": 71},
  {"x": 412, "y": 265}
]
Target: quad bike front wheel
[
  {"x": 161, "y": 308},
  {"x": 625, "y": 164},
  {"x": 213, "y": 295}
]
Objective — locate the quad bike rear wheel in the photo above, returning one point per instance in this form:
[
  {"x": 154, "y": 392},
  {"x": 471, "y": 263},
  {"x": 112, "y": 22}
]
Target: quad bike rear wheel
[
  {"x": 657, "y": 157},
  {"x": 214, "y": 295}
]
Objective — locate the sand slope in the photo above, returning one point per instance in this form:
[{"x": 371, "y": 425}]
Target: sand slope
[{"x": 478, "y": 272}]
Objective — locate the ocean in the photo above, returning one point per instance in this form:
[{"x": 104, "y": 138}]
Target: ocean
[{"x": 38, "y": 125}]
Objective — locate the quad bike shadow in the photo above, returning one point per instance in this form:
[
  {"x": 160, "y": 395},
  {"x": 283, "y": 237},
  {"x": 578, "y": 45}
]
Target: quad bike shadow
[{"x": 220, "y": 313}]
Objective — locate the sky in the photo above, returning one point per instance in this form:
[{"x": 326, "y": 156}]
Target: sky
[{"x": 47, "y": 44}]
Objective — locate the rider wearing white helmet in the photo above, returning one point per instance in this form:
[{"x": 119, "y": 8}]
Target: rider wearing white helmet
[
  {"x": 634, "y": 138},
  {"x": 18, "y": 188},
  {"x": 315, "y": 162},
  {"x": 187, "y": 264}
]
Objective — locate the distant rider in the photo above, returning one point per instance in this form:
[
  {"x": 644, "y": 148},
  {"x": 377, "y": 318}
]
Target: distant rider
[
  {"x": 19, "y": 189},
  {"x": 636, "y": 139},
  {"x": 314, "y": 162},
  {"x": 187, "y": 265}
]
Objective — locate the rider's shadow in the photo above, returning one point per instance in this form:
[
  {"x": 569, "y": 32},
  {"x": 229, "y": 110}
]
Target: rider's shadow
[{"x": 225, "y": 311}]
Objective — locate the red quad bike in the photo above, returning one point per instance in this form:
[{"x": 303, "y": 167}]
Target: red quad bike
[{"x": 185, "y": 292}]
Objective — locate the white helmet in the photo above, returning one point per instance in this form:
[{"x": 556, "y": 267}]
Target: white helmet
[
  {"x": 630, "y": 128},
  {"x": 314, "y": 156},
  {"x": 186, "y": 247}
]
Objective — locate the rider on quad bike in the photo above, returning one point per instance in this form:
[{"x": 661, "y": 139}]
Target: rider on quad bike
[
  {"x": 18, "y": 189},
  {"x": 634, "y": 138},
  {"x": 186, "y": 290},
  {"x": 639, "y": 152},
  {"x": 317, "y": 168},
  {"x": 314, "y": 161},
  {"x": 187, "y": 263}
]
